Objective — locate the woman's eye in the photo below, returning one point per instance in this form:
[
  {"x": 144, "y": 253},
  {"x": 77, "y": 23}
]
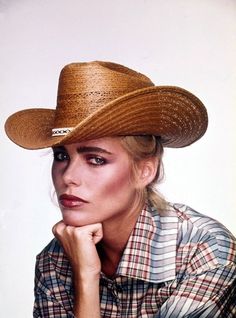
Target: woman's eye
[
  {"x": 60, "y": 156},
  {"x": 96, "y": 161}
]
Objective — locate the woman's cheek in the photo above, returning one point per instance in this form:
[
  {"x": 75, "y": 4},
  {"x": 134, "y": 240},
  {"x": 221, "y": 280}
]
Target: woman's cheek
[{"x": 113, "y": 183}]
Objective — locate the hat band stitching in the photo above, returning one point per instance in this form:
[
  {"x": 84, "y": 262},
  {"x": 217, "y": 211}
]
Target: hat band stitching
[{"x": 61, "y": 131}]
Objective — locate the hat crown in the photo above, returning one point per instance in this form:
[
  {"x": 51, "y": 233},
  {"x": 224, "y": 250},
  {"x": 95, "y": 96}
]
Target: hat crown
[
  {"x": 103, "y": 99},
  {"x": 85, "y": 87}
]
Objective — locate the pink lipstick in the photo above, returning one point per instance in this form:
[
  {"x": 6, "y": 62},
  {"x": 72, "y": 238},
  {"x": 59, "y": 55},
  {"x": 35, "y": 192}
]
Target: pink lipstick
[{"x": 70, "y": 201}]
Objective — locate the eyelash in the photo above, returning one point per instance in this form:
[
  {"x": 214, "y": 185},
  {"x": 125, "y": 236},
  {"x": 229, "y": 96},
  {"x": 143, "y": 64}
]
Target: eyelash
[
  {"x": 57, "y": 156},
  {"x": 98, "y": 161},
  {"x": 93, "y": 160}
]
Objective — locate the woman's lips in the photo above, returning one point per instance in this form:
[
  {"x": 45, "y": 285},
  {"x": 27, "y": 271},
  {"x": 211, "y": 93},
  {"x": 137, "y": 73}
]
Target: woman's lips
[{"x": 71, "y": 201}]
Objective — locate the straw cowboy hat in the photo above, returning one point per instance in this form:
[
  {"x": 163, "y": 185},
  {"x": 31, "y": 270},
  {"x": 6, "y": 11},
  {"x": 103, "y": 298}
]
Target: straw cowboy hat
[{"x": 99, "y": 99}]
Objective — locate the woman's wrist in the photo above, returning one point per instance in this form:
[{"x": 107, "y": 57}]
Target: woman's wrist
[
  {"x": 86, "y": 276},
  {"x": 87, "y": 293},
  {"x": 85, "y": 281}
]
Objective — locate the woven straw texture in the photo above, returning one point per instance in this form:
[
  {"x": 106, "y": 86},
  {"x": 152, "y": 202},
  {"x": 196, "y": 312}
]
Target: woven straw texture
[{"x": 99, "y": 99}]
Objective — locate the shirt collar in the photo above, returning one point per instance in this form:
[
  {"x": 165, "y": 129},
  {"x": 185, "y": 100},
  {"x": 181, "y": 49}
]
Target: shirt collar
[{"x": 150, "y": 253}]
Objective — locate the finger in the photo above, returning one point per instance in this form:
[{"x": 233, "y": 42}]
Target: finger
[
  {"x": 98, "y": 233},
  {"x": 93, "y": 231},
  {"x": 58, "y": 228},
  {"x": 95, "y": 227}
]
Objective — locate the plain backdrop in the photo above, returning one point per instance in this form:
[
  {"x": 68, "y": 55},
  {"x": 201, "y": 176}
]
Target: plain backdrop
[{"x": 187, "y": 43}]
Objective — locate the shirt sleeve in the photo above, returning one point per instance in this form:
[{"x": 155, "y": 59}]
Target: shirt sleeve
[
  {"x": 210, "y": 294},
  {"x": 53, "y": 292},
  {"x": 205, "y": 284}
]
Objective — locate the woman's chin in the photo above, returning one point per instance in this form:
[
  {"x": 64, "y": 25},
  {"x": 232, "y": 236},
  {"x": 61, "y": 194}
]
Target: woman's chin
[{"x": 75, "y": 222}]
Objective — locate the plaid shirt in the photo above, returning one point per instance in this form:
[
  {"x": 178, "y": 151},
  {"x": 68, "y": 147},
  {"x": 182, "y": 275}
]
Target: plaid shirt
[{"x": 182, "y": 264}]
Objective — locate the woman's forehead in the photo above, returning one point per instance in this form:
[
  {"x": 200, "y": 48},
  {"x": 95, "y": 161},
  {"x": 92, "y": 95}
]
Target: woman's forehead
[{"x": 105, "y": 144}]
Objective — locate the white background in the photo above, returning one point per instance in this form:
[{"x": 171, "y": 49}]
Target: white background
[{"x": 187, "y": 43}]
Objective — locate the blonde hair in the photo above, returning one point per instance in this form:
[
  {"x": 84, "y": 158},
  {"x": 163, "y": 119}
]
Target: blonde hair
[{"x": 143, "y": 147}]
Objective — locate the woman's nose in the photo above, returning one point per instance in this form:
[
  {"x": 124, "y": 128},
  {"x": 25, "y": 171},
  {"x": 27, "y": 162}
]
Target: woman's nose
[{"x": 71, "y": 173}]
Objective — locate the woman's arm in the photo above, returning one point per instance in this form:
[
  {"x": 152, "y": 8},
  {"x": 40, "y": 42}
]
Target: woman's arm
[
  {"x": 208, "y": 294},
  {"x": 79, "y": 244}
]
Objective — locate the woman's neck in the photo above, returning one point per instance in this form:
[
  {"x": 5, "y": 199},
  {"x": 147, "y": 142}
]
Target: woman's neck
[{"x": 116, "y": 234}]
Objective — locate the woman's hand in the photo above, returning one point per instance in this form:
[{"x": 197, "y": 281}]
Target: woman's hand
[{"x": 79, "y": 244}]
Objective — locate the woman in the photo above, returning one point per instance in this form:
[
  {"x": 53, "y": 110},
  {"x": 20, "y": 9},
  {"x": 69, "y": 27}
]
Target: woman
[{"x": 120, "y": 249}]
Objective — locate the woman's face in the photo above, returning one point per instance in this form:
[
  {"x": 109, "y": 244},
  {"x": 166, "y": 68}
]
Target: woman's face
[{"x": 93, "y": 181}]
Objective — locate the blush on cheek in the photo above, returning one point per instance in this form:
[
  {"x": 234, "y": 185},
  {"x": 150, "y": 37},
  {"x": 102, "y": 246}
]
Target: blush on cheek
[{"x": 119, "y": 183}]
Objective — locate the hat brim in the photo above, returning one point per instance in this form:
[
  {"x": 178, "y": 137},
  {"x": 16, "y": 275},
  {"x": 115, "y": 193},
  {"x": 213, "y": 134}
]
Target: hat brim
[{"x": 172, "y": 113}]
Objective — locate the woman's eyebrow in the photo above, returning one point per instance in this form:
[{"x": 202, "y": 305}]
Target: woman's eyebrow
[
  {"x": 58, "y": 148},
  {"x": 84, "y": 149}
]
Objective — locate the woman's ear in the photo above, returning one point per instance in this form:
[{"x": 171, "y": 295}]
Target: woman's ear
[{"x": 147, "y": 170}]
